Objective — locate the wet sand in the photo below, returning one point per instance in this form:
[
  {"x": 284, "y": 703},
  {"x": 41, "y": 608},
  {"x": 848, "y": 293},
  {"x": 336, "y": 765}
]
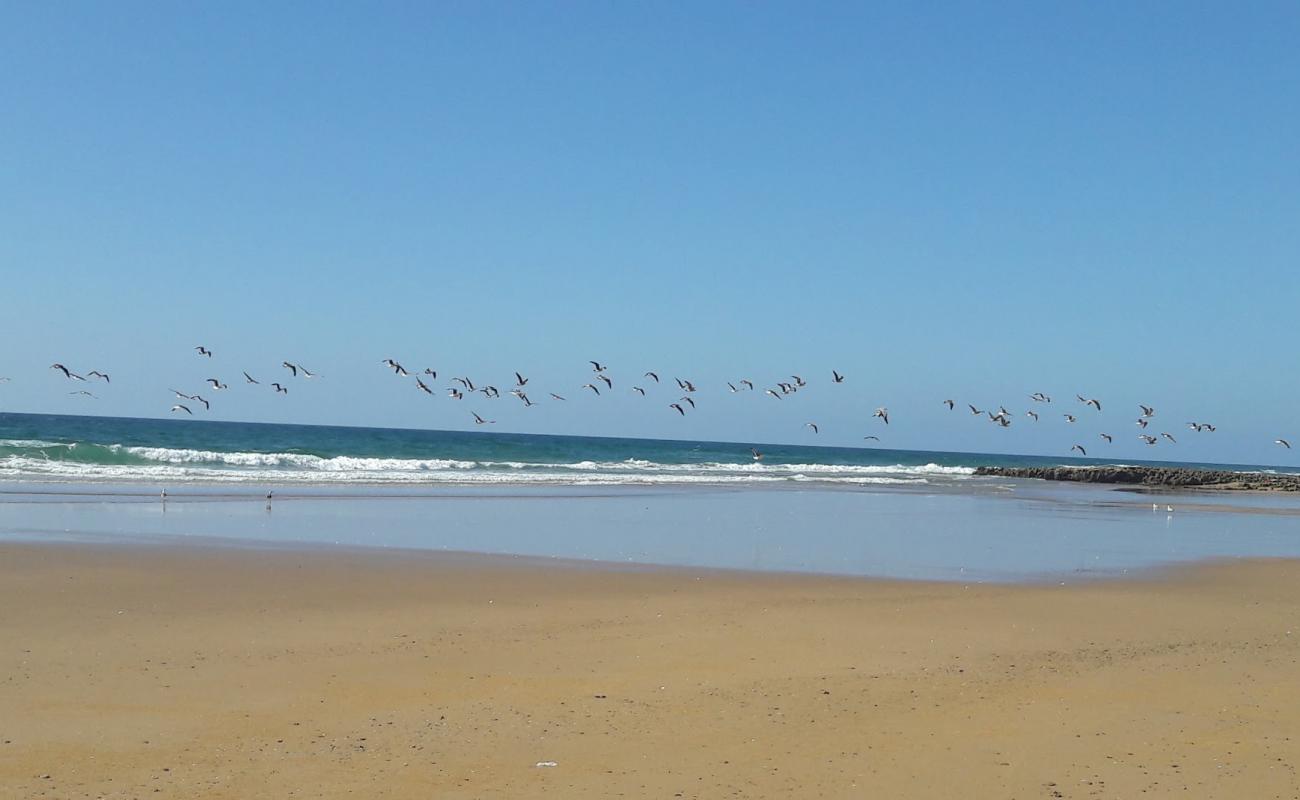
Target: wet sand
[{"x": 185, "y": 671}]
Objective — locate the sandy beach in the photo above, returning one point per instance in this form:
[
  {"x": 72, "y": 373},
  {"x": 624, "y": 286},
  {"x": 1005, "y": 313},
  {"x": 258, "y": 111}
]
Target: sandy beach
[{"x": 187, "y": 671}]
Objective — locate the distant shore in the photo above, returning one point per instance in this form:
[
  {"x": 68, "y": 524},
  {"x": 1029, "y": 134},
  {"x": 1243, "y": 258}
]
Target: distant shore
[{"x": 1155, "y": 477}]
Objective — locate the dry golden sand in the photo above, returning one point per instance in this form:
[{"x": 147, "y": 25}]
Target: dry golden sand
[{"x": 185, "y": 672}]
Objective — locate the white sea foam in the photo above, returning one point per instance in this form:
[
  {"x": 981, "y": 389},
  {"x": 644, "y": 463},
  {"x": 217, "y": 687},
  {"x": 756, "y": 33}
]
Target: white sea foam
[{"x": 205, "y": 466}]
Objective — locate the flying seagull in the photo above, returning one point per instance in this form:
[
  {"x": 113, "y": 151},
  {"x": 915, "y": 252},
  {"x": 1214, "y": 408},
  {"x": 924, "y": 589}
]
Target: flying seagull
[
  {"x": 182, "y": 408},
  {"x": 652, "y": 376},
  {"x": 206, "y": 405},
  {"x": 432, "y": 373},
  {"x": 66, "y": 372},
  {"x": 94, "y": 373},
  {"x": 949, "y": 404},
  {"x": 1169, "y": 437},
  {"x": 677, "y": 406},
  {"x": 422, "y": 386},
  {"x": 306, "y": 373},
  {"x": 1148, "y": 439},
  {"x": 1147, "y": 411},
  {"x": 398, "y": 369},
  {"x": 280, "y": 389},
  {"x": 1033, "y": 414},
  {"x": 85, "y": 393},
  {"x": 216, "y": 384},
  {"x": 812, "y": 425},
  {"x": 520, "y": 380},
  {"x": 1094, "y": 403},
  {"x": 294, "y": 368},
  {"x": 732, "y": 387},
  {"x": 455, "y": 394},
  {"x": 1039, "y": 397},
  {"x": 249, "y": 378},
  {"x": 1283, "y": 442},
  {"x": 181, "y": 395},
  {"x": 748, "y": 383},
  {"x": 836, "y": 377},
  {"x": 871, "y": 438},
  {"x": 596, "y": 366},
  {"x": 974, "y": 410},
  {"x": 203, "y": 351},
  {"x": 639, "y": 390},
  {"x": 1079, "y": 447},
  {"x": 480, "y": 421},
  {"x": 606, "y": 379},
  {"x": 1069, "y": 417},
  {"x": 1107, "y": 437},
  {"x": 591, "y": 387},
  {"x": 556, "y": 396},
  {"x": 883, "y": 413},
  {"x": 774, "y": 394}
]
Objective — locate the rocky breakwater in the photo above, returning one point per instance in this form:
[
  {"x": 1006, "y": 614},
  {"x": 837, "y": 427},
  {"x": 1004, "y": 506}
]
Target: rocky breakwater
[{"x": 1155, "y": 477}]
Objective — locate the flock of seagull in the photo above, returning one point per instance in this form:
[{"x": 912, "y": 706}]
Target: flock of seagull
[{"x": 601, "y": 379}]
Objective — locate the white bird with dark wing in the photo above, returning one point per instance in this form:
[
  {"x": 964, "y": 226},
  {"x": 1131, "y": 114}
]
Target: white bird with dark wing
[
  {"x": 883, "y": 413},
  {"x": 1170, "y": 437},
  {"x": 217, "y": 385},
  {"x": 480, "y": 421},
  {"x": 1107, "y": 437},
  {"x": 556, "y": 396},
  {"x": 596, "y": 366},
  {"x": 398, "y": 369},
  {"x": 1148, "y": 439},
  {"x": 871, "y": 438},
  {"x": 179, "y": 407},
  {"x": 677, "y": 406},
  {"x": 1282, "y": 442},
  {"x": 1033, "y": 414},
  {"x": 774, "y": 394},
  {"x": 812, "y": 425},
  {"x": 520, "y": 380},
  {"x": 67, "y": 373},
  {"x": 836, "y": 377},
  {"x": 591, "y": 387},
  {"x": 950, "y": 404},
  {"x": 94, "y": 373},
  {"x": 203, "y": 351},
  {"x": 1079, "y": 447},
  {"x": 422, "y": 386},
  {"x": 748, "y": 383},
  {"x": 279, "y": 389},
  {"x": 1147, "y": 411},
  {"x": 249, "y": 378},
  {"x": 293, "y": 368},
  {"x": 639, "y": 390},
  {"x": 1069, "y": 417},
  {"x": 652, "y": 376},
  {"x": 206, "y": 405}
]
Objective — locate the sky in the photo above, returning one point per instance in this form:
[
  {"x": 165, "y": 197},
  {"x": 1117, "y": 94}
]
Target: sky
[{"x": 946, "y": 200}]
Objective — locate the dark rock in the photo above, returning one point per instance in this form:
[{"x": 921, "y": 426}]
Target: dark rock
[{"x": 1161, "y": 477}]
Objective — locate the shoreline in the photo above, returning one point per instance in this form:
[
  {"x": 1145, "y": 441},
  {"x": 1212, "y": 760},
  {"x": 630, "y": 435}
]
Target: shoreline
[{"x": 234, "y": 674}]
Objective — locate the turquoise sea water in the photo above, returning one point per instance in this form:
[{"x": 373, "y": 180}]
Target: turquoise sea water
[
  {"x": 700, "y": 504},
  {"x": 38, "y": 447}
]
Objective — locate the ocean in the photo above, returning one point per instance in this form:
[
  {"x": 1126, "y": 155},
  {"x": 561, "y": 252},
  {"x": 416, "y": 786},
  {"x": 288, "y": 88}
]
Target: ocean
[{"x": 82, "y": 449}]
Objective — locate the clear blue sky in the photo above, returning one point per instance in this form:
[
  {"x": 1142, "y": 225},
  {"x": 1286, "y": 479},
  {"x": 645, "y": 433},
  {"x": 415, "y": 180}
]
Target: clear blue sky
[{"x": 948, "y": 200}]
